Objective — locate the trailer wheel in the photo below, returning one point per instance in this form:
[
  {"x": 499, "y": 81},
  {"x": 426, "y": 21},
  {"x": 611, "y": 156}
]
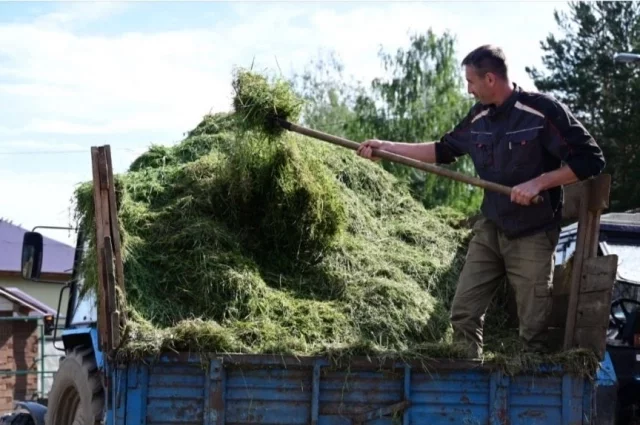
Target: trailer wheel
[{"x": 77, "y": 394}]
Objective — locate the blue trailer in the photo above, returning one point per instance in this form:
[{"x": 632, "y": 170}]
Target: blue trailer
[
  {"x": 249, "y": 389},
  {"x": 92, "y": 387},
  {"x": 262, "y": 389}
]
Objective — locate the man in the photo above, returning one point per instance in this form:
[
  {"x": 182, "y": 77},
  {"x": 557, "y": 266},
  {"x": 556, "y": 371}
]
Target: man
[{"x": 519, "y": 139}]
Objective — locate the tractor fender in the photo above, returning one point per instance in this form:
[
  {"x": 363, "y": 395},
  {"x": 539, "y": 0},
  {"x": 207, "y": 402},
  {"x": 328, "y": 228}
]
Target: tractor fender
[{"x": 36, "y": 410}]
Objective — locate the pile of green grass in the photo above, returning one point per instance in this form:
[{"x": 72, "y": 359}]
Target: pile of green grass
[
  {"x": 292, "y": 246},
  {"x": 243, "y": 240}
]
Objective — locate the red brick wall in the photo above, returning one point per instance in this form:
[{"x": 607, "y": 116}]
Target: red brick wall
[{"x": 18, "y": 352}]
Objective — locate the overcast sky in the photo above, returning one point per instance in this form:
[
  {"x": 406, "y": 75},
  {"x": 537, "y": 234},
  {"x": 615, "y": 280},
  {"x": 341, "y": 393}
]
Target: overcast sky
[{"x": 75, "y": 75}]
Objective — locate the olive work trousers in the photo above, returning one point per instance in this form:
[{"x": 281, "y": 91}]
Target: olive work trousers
[{"x": 527, "y": 263}]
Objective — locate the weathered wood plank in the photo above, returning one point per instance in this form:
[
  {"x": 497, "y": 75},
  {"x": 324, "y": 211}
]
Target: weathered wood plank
[
  {"x": 593, "y": 309},
  {"x": 592, "y": 235},
  {"x": 118, "y": 315},
  {"x": 103, "y": 329},
  {"x": 572, "y": 195},
  {"x": 106, "y": 231},
  {"x": 115, "y": 224},
  {"x": 594, "y": 338},
  {"x": 583, "y": 310},
  {"x": 598, "y": 188},
  {"x": 576, "y": 270},
  {"x": 594, "y": 306},
  {"x": 598, "y": 274},
  {"x": 111, "y": 289}
]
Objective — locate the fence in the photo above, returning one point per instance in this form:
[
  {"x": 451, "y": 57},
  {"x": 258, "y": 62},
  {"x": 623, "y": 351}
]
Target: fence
[{"x": 28, "y": 361}]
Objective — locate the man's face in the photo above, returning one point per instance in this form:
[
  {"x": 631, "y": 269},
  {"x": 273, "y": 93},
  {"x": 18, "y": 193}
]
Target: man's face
[{"x": 481, "y": 87}]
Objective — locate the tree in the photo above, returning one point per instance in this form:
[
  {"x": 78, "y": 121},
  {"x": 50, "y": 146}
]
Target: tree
[
  {"x": 419, "y": 99},
  {"x": 604, "y": 95},
  {"x": 329, "y": 97}
]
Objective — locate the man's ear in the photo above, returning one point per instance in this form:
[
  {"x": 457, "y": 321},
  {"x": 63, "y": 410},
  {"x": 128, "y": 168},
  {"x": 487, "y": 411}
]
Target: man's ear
[{"x": 490, "y": 78}]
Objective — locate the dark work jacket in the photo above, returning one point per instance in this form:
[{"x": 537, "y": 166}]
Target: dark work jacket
[{"x": 528, "y": 135}]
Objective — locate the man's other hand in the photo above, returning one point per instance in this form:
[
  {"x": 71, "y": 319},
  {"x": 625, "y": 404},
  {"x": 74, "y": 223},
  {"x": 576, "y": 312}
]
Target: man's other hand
[
  {"x": 524, "y": 193},
  {"x": 365, "y": 149}
]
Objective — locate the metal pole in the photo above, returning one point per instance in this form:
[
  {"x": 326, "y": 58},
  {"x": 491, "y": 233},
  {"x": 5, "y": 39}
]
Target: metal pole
[
  {"x": 626, "y": 57},
  {"x": 18, "y": 318},
  {"x": 42, "y": 354}
]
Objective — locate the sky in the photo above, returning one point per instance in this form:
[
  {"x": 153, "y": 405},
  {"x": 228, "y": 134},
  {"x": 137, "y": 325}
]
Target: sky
[{"x": 129, "y": 74}]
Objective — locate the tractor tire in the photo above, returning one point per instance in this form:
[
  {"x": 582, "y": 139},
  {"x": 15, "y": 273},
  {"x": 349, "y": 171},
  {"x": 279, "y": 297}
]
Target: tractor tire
[
  {"x": 77, "y": 396},
  {"x": 17, "y": 419}
]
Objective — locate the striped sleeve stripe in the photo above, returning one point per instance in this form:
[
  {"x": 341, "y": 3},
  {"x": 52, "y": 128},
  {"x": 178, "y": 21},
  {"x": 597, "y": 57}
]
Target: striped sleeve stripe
[
  {"x": 480, "y": 115},
  {"x": 529, "y": 109}
]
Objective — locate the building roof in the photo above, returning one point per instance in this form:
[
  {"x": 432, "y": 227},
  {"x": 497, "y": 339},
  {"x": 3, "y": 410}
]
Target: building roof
[
  {"x": 57, "y": 256},
  {"x": 25, "y": 300}
]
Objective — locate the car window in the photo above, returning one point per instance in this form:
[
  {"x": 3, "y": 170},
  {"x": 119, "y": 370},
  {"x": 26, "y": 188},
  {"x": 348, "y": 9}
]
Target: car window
[{"x": 628, "y": 254}]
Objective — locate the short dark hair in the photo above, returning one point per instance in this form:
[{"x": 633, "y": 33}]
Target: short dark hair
[{"x": 488, "y": 58}]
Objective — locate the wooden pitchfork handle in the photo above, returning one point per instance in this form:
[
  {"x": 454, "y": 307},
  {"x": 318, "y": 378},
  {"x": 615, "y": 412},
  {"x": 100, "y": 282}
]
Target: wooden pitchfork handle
[{"x": 496, "y": 187}]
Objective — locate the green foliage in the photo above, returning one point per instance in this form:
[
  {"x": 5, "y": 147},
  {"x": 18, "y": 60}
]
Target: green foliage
[
  {"x": 329, "y": 96},
  {"x": 604, "y": 95},
  {"x": 418, "y": 100}
]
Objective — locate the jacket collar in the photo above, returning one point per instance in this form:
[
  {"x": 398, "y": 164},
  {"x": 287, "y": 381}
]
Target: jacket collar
[{"x": 496, "y": 112}]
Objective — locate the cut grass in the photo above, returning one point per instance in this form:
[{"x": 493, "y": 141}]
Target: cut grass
[
  {"x": 295, "y": 246},
  {"x": 260, "y": 102}
]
